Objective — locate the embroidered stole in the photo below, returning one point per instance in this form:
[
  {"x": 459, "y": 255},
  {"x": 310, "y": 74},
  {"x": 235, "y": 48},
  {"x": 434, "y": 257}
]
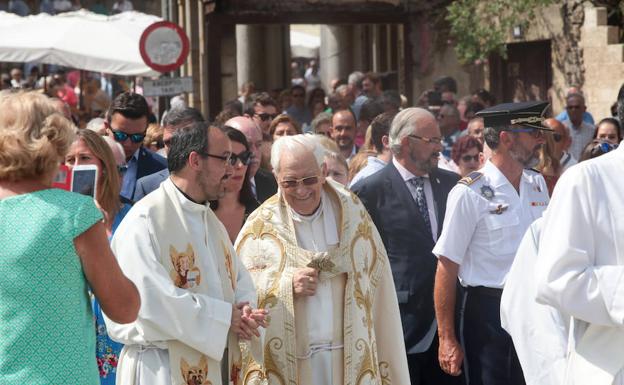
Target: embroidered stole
[{"x": 179, "y": 256}]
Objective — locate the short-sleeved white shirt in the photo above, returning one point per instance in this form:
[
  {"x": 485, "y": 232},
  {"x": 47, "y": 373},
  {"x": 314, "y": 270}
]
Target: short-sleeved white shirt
[{"x": 485, "y": 222}]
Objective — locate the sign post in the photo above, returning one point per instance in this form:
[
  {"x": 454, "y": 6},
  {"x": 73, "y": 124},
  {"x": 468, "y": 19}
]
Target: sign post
[{"x": 164, "y": 47}]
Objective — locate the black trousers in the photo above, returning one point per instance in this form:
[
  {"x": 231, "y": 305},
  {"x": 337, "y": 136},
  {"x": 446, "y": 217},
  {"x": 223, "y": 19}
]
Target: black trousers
[
  {"x": 489, "y": 352},
  {"x": 424, "y": 368}
]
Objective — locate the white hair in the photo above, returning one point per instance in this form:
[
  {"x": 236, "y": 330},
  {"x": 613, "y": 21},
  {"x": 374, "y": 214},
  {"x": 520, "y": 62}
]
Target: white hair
[
  {"x": 117, "y": 149},
  {"x": 355, "y": 77},
  {"x": 404, "y": 124},
  {"x": 97, "y": 125},
  {"x": 295, "y": 144}
]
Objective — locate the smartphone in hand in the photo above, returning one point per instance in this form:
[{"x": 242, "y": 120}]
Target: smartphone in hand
[{"x": 84, "y": 180}]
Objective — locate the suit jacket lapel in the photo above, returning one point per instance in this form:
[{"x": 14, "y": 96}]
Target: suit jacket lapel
[{"x": 440, "y": 203}]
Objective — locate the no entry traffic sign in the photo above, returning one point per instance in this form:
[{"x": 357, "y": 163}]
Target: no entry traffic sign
[{"x": 164, "y": 46}]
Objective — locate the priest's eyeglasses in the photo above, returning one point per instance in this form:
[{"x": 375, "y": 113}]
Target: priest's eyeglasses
[
  {"x": 426, "y": 139},
  {"x": 228, "y": 159},
  {"x": 293, "y": 183}
]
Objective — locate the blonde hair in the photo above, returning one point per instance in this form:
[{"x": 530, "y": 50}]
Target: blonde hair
[
  {"x": 153, "y": 135},
  {"x": 109, "y": 185},
  {"x": 34, "y": 136}
]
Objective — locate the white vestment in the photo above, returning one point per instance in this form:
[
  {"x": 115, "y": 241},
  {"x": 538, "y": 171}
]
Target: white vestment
[
  {"x": 539, "y": 332},
  {"x": 186, "y": 303},
  {"x": 580, "y": 266},
  {"x": 318, "y": 232}
]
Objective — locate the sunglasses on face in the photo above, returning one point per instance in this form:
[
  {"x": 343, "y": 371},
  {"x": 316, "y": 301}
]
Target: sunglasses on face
[
  {"x": 227, "y": 159},
  {"x": 244, "y": 157},
  {"x": 264, "y": 117},
  {"x": 468, "y": 158},
  {"x": 573, "y": 107},
  {"x": 121, "y": 136},
  {"x": 292, "y": 183}
]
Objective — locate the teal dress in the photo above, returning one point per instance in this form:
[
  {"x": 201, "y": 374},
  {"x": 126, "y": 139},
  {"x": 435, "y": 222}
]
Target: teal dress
[
  {"x": 47, "y": 336},
  {"x": 107, "y": 351}
]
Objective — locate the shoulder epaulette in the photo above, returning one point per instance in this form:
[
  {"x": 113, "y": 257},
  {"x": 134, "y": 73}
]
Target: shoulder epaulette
[{"x": 470, "y": 178}]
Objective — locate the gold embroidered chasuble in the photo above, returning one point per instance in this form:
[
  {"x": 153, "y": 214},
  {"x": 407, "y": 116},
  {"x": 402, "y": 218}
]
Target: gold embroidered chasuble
[
  {"x": 179, "y": 256},
  {"x": 374, "y": 350}
]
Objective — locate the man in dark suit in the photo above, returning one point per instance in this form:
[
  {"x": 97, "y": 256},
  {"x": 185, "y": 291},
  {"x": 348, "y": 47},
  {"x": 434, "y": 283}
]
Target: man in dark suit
[
  {"x": 407, "y": 200},
  {"x": 126, "y": 122},
  {"x": 263, "y": 184},
  {"x": 175, "y": 119}
]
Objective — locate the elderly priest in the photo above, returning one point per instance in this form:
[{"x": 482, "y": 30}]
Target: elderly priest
[{"x": 321, "y": 269}]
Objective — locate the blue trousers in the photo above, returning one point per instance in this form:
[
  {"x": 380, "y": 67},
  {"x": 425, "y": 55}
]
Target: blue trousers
[{"x": 489, "y": 352}]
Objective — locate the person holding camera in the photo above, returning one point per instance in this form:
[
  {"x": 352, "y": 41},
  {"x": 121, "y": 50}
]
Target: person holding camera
[{"x": 54, "y": 247}]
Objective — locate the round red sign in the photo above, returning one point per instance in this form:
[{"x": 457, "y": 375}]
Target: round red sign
[{"x": 164, "y": 46}]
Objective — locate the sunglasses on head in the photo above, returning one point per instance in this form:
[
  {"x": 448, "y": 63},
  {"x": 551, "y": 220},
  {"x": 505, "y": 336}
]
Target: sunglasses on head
[
  {"x": 292, "y": 183},
  {"x": 121, "y": 136},
  {"x": 468, "y": 158},
  {"x": 244, "y": 157},
  {"x": 264, "y": 116}
]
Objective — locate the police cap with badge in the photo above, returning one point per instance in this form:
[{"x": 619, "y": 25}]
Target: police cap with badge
[{"x": 526, "y": 114}]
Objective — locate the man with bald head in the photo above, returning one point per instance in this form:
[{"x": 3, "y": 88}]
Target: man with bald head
[
  {"x": 562, "y": 142},
  {"x": 263, "y": 184},
  {"x": 407, "y": 201}
]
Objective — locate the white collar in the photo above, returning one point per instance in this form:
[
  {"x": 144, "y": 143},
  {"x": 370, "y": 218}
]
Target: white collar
[
  {"x": 405, "y": 173},
  {"x": 325, "y": 213}
]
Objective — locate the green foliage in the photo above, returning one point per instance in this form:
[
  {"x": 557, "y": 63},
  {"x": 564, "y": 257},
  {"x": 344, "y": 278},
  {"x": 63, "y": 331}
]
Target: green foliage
[{"x": 481, "y": 27}]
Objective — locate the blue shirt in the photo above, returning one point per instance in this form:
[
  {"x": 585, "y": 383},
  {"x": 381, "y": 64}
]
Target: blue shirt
[
  {"x": 587, "y": 117},
  {"x": 130, "y": 177},
  {"x": 373, "y": 164}
]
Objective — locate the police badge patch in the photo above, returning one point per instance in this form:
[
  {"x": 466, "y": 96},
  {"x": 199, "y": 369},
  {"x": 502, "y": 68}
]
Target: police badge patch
[{"x": 487, "y": 192}]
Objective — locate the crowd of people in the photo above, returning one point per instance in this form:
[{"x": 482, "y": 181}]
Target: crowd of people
[{"x": 312, "y": 238}]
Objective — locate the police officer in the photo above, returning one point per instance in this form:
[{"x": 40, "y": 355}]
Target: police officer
[{"x": 487, "y": 214}]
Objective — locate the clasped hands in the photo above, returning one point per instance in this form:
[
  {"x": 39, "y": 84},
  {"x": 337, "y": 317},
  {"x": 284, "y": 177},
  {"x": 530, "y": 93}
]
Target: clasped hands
[{"x": 246, "y": 321}]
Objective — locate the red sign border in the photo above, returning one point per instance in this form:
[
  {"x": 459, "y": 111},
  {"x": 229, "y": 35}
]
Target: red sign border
[{"x": 183, "y": 38}]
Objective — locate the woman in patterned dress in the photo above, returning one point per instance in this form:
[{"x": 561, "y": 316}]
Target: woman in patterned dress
[{"x": 54, "y": 247}]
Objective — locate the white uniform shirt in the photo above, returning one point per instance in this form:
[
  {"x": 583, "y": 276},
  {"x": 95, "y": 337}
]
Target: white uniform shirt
[
  {"x": 485, "y": 222},
  {"x": 580, "y": 266}
]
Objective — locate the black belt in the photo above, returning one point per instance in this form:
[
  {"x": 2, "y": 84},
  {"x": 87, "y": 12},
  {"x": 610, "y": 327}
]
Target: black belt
[{"x": 482, "y": 290}]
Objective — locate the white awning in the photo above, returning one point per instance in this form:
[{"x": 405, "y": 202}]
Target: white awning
[{"x": 81, "y": 39}]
